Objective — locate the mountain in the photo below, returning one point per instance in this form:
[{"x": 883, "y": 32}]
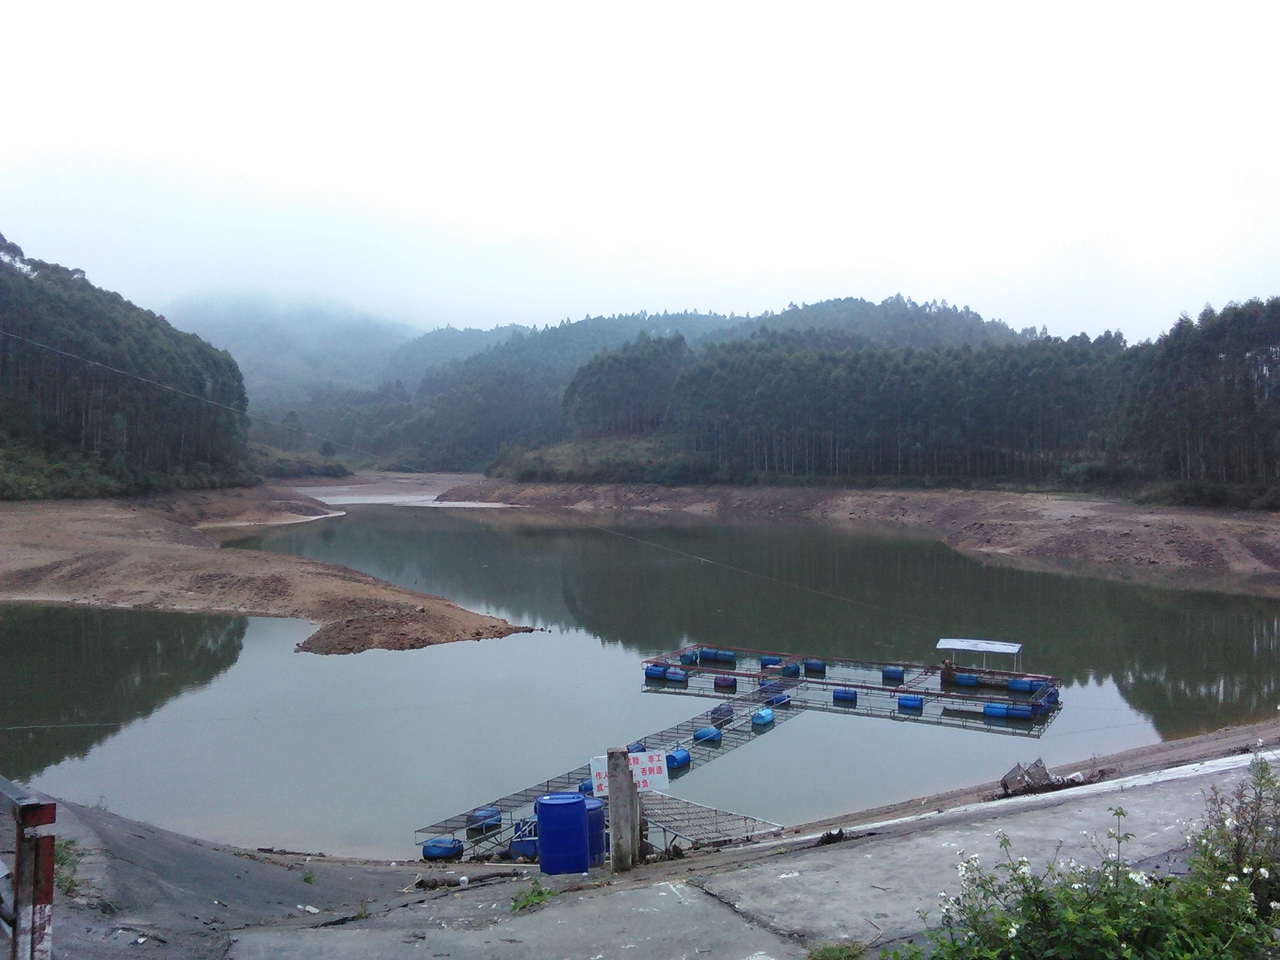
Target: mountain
[{"x": 286, "y": 355}]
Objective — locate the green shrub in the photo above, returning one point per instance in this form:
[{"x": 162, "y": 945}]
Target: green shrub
[{"x": 1068, "y": 910}]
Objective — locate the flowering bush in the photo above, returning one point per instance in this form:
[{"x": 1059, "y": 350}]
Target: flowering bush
[{"x": 1069, "y": 910}]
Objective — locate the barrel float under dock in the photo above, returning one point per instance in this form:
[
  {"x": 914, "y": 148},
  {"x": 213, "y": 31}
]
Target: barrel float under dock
[
  {"x": 769, "y": 660},
  {"x": 818, "y": 667},
  {"x": 595, "y": 831},
  {"x": 779, "y": 700},
  {"x": 637, "y": 747},
  {"x": 676, "y": 675},
  {"x": 893, "y": 675},
  {"x": 789, "y": 670},
  {"x": 708, "y": 735},
  {"x": 655, "y": 671},
  {"x": 442, "y": 848},
  {"x": 910, "y": 702},
  {"x": 525, "y": 841},
  {"x": 726, "y": 684},
  {"x": 563, "y": 842},
  {"x": 995, "y": 709},
  {"x": 845, "y": 696},
  {"x": 762, "y": 717},
  {"x": 689, "y": 658},
  {"x": 965, "y": 680},
  {"x": 678, "y": 759}
]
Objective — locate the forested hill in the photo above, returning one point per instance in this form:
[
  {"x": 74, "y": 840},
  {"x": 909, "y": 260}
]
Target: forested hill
[
  {"x": 70, "y": 428},
  {"x": 898, "y": 321},
  {"x": 1200, "y": 407},
  {"x": 410, "y": 361},
  {"x": 460, "y": 414}
]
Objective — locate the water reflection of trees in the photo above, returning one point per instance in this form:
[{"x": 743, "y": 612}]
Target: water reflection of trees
[
  {"x": 1189, "y": 661},
  {"x": 74, "y": 677}
]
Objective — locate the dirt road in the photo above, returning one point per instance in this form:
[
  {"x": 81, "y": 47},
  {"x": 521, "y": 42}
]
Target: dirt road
[
  {"x": 163, "y": 553},
  {"x": 1115, "y": 539}
]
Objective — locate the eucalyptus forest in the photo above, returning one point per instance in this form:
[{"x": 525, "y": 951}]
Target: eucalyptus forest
[{"x": 98, "y": 395}]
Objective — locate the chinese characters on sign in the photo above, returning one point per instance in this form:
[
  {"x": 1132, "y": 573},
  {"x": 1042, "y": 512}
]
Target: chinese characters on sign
[{"x": 649, "y": 770}]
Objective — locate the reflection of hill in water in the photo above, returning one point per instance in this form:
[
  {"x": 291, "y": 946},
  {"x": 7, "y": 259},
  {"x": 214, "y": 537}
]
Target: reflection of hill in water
[
  {"x": 103, "y": 668},
  {"x": 1189, "y": 661}
]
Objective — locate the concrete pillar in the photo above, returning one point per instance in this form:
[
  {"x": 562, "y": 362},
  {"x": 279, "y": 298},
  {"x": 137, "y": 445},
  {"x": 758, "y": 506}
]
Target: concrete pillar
[{"x": 624, "y": 813}]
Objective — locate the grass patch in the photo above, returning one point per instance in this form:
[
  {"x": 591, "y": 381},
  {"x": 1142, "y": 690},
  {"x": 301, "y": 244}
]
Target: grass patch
[
  {"x": 837, "y": 951},
  {"x": 66, "y": 860},
  {"x": 532, "y": 897},
  {"x": 308, "y": 877}
]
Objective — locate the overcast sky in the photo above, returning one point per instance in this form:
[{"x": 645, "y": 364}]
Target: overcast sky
[{"x": 1078, "y": 166}]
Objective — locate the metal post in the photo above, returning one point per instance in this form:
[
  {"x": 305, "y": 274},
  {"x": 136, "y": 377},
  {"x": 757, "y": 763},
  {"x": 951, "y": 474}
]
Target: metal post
[
  {"x": 623, "y": 812},
  {"x": 28, "y": 915}
]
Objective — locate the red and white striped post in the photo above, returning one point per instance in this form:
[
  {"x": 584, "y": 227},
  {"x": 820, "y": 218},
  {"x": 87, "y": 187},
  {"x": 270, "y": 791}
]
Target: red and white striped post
[{"x": 27, "y": 913}]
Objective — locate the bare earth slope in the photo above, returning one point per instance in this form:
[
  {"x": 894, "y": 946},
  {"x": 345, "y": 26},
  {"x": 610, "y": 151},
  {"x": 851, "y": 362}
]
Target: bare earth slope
[
  {"x": 1165, "y": 546},
  {"x": 160, "y": 553}
]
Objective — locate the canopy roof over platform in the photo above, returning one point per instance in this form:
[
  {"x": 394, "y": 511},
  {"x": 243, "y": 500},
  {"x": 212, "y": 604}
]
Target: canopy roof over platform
[{"x": 981, "y": 646}]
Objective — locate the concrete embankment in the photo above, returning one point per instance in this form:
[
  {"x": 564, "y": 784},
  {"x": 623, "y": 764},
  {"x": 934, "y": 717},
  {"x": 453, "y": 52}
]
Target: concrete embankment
[{"x": 145, "y": 889}]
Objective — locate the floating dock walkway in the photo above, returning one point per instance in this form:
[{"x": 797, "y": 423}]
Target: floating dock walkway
[{"x": 745, "y": 682}]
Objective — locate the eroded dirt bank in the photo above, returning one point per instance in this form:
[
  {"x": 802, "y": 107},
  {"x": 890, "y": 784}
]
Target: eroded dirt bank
[
  {"x": 163, "y": 553},
  {"x": 1160, "y": 546}
]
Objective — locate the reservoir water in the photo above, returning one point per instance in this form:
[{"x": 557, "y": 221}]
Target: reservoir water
[{"x": 213, "y": 726}]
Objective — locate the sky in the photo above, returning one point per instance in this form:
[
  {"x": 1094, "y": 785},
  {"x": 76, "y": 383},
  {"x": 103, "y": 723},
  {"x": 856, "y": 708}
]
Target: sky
[{"x": 1077, "y": 166}]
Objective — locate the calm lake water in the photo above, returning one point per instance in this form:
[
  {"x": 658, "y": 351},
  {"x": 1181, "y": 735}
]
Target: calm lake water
[{"x": 213, "y": 726}]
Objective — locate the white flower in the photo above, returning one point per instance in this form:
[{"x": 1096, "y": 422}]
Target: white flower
[
  {"x": 1274, "y": 905},
  {"x": 1232, "y": 878},
  {"x": 1229, "y": 823},
  {"x": 1077, "y": 886},
  {"x": 1140, "y": 878},
  {"x": 1264, "y": 873},
  {"x": 1247, "y": 870},
  {"x": 1013, "y": 930}
]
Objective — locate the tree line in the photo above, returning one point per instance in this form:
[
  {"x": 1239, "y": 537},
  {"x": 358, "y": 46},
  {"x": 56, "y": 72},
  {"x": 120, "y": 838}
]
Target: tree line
[
  {"x": 1198, "y": 405},
  {"x": 154, "y": 407}
]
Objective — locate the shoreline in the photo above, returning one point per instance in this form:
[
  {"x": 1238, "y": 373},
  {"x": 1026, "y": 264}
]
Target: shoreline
[
  {"x": 1180, "y": 548},
  {"x": 164, "y": 553}
]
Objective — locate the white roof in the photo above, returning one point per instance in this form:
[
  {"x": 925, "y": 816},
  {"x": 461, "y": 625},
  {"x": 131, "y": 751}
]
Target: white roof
[{"x": 981, "y": 646}]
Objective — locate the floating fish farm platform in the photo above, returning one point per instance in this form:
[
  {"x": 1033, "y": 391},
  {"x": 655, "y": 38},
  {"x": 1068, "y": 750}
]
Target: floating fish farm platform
[{"x": 756, "y": 691}]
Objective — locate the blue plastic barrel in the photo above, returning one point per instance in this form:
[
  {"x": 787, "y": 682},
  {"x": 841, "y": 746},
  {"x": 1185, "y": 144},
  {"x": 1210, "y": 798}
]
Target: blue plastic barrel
[
  {"x": 772, "y": 686},
  {"x": 845, "y": 696},
  {"x": 586, "y": 787},
  {"x": 728, "y": 684},
  {"x": 524, "y": 843},
  {"x": 815, "y": 666},
  {"x": 789, "y": 670},
  {"x": 637, "y": 747},
  {"x": 1020, "y": 685},
  {"x": 762, "y": 717},
  {"x": 595, "y": 831},
  {"x": 1019, "y": 711},
  {"x": 688, "y": 658},
  {"x": 708, "y": 735},
  {"x": 709, "y": 655},
  {"x": 563, "y": 842},
  {"x": 727, "y": 656},
  {"x": 769, "y": 660},
  {"x": 655, "y": 671},
  {"x": 676, "y": 675},
  {"x": 910, "y": 702},
  {"x": 442, "y": 848},
  {"x": 892, "y": 675},
  {"x": 966, "y": 680},
  {"x": 722, "y": 711},
  {"x": 483, "y": 819},
  {"x": 678, "y": 759},
  {"x": 780, "y": 700},
  {"x": 995, "y": 709},
  {"x": 1052, "y": 695}
]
